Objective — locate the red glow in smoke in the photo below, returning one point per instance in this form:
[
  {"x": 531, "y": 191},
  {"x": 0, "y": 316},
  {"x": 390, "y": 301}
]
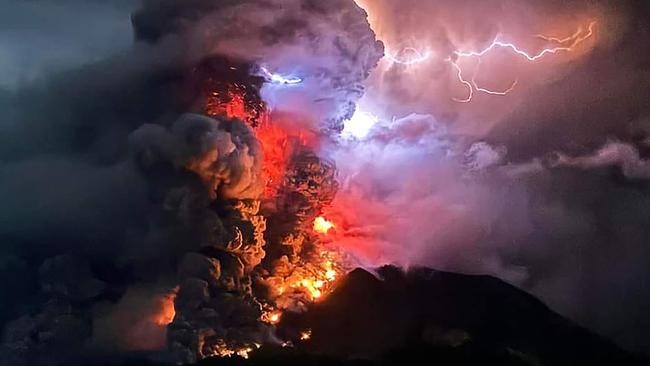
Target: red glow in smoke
[
  {"x": 150, "y": 333},
  {"x": 350, "y": 213},
  {"x": 276, "y": 133},
  {"x": 234, "y": 107},
  {"x": 279, "y": 141},
  {"x": 138, "y": 322}
]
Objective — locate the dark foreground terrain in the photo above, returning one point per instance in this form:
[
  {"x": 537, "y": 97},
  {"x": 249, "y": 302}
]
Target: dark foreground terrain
[{"x": 428, "y": 317}]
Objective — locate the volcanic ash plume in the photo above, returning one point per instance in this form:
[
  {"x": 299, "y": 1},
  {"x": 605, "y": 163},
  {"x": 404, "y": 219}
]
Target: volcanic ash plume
[
  {"x": 214, "y": 279},
  {"x": 328, "y": 45},
  {"x": 293, "y": 72},
  {"x": 225, "y": 154}
]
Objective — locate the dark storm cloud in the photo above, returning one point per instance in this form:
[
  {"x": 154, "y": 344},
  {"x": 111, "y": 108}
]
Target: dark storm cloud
[
  {"x": 56, "y": 199},
  {"x": 553, "y": 197},
  {"x": 588, "y": 252},
  {"x": 40, "y": 37},
  {"x": 63, "y": 181},
  {"x": 73, "y": 88},
  {"x": 589, "y": 207}
]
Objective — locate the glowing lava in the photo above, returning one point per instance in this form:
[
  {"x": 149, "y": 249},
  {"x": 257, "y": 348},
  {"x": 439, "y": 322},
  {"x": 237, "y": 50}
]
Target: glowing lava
[
  {"x": 321, "y": 225},
  {"x": 225, "y": 351},
  {"x": 307, "y": 271},
  {"x": 272, "y": 317}
]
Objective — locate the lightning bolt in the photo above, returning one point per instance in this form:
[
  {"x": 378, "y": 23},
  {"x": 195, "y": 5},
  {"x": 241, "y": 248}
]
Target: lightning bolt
[
  {"x": 575, "y": 39},
  {"x": 416, "y": 58},
  {"x": 275, "y": 78},
  {"x": 472, "y": 85},
  {"x": 572, "y": 37},
  {"x": 566, "y": 44}
]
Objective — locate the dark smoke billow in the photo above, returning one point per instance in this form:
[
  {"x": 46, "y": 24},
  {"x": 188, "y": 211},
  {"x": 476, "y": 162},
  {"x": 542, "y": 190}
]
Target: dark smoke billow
[
  {"x": 152, "y": 206},
  {"x": 225, "y": 154}
]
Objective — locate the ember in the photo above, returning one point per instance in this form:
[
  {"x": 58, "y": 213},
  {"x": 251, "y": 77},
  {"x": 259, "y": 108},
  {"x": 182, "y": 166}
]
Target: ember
[
  {"x": 306, "y": 335},
  {"x": 271, "y": 317}
]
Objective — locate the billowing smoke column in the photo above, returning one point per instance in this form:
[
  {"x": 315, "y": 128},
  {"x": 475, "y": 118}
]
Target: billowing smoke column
[
  {"x": 213, "y": 121},
  {"x": 225, "y": 154},
  {"x": 292, "y": 71},
  {"x": 328, "y": 46},
  {"x": 215, "y": 159}
]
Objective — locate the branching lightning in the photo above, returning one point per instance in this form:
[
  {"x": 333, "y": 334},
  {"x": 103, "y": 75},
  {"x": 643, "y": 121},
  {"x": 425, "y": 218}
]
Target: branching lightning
[
  {"x": 572, "y": 37},
  {"x": 575, "y": 40},
  {"x": 412, "y": 56},
  {"x": 472, "y": 85},
  {"x": 566, "y": 44}
]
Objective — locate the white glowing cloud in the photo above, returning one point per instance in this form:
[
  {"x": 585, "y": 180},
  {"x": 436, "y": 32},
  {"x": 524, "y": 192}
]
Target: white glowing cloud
[
  {"x": 408, "y": 56},
  {"x": 360, "y": 124}
]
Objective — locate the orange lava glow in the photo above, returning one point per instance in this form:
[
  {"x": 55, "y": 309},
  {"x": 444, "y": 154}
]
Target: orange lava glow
[
  {"x": 237, "y": 107},
  {"x": 272, "y": 317},
  {"x": 232, "y": 104},
  {"x": 309, "y": 282},
  {"x": 310, "y": 275},
  {"x": 278, "y": 136},
  {"x": 322, "y": 225},
  {"x": 243, "y": 352},
  {"x": 319, "y": 283}
]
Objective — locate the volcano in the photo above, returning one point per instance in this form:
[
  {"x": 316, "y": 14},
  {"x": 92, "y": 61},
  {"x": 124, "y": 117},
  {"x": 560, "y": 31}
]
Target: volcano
[
  {"x": 392, "y": 316},
  {"x": 426, "y": 316}
]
